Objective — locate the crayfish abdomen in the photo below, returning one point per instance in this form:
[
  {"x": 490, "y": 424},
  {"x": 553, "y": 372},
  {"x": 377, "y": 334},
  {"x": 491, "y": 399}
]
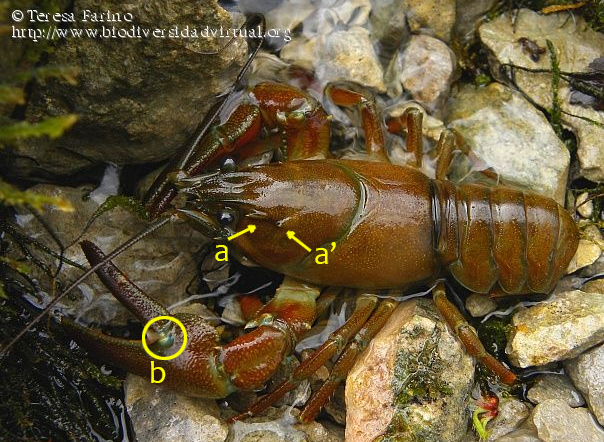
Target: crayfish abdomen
[
  {"x": 496, "y": 235},
  {"x": 394, "y": 227}
]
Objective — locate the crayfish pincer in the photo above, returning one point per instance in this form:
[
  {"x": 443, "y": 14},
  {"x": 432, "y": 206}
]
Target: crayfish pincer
[{"x": 393, "y": 228}]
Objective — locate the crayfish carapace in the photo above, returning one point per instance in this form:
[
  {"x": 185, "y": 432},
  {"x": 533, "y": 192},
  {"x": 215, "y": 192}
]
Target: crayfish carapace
[{"x": 394, "y": 229}]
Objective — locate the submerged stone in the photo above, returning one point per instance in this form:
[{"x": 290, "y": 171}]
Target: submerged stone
[{"x": 412, "y": 383}]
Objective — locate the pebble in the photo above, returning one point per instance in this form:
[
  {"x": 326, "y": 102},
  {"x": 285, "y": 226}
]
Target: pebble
[
  {"x": 162, "y": 415},
  {"x": 584, "y": 208},
  {"x": 408, "y": 364},
  {"x": 508, "y": 134},
  {"x": 555, "y": 386},
  {"x": 349, "y": 55},
  {"x": 479, "y": 305},
  {"x": 587, "y": 373},
  {"x": 555, "y": 421},
  {"x": 428, "y": 69},
  {"x": 511, "y": 413},
  {"x": 556, "y": 330},
  {"x": 587, "y": 253},
  {"x": 432, "y": 16}
]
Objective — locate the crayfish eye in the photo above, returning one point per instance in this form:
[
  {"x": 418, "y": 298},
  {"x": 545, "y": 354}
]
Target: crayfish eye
[
  {"x": 228, "y": 165},
  {"x": 225, "y": 217}
]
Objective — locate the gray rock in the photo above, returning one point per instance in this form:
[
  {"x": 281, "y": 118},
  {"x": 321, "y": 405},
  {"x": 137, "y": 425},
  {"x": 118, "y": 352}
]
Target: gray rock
[
  {"x": 162, "y": 264},
  {"x": 577, "y": 45},
  {"x": 505, "y": 131},
  {"x": 388, "y": 26},
  {"x": 406, "y": 374},
  {"x": 511, "y": 413},
  {"x": 469, "y": 13},
  {"x": 555, "y": 421},
  {"x": 587, "y": 372},
  {"x": 137, "y": 99},
  {"x": 479, "y": 305},
  {"x": 432, "y": 16},
  {"x": 553, "y": 386},
  {"x": 349, "y": 55},
  {"x": 556, "y": 330},
  {"x": 428, "y": 69},
  {"x": 162, "y": 415}
]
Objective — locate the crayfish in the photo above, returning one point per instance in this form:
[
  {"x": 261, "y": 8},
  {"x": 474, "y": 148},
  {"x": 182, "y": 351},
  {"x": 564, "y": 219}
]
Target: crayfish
[{"x": 394, "y": 228}]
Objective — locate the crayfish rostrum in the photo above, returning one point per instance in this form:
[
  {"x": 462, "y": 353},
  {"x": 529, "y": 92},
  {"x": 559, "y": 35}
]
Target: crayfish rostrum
[{"x": 393, "y": 228}]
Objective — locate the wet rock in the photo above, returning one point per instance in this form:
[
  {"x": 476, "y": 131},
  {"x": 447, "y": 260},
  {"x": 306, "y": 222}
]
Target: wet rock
[
  {"x": 587, "y": 253},
  {"x": 432, "y": 16},
  {"x": 553, "y": 386},
  {"x": 576, "y": 45},
  {"x": 511, "y": 413},
  {"x": 162, "y": 264},
  {"x": 162, "y": 415},
  {"x": 349, "y": 55},
  {"x": 408, "y": 364},
  {"x": 587, "y": 373},
  {"x": 506, "y": 132},
  {"x": 555, "y": 421},
  {"x": 556, "y": 330},
  {"x": 428, "y": 68},
  {"x": 137, "y": 102},
  {"x": 480, "y": 305}
]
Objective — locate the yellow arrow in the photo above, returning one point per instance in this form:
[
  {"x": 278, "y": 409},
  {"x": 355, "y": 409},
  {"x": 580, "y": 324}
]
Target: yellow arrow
[
  {"x": 250, "y": 228},
  {"x": 292, "y": 235}
]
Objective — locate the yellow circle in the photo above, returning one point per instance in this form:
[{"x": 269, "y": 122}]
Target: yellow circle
[{"x": 184, "y": 342}]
